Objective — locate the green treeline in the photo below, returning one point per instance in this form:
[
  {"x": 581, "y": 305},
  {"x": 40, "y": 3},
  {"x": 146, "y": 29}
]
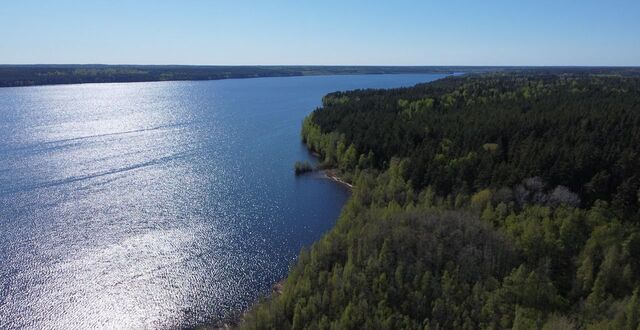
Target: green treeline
[
  {"x": 29, "y": 75},
  {"x": 506, "y": 200},
  {"x": 49, "y": 74}
]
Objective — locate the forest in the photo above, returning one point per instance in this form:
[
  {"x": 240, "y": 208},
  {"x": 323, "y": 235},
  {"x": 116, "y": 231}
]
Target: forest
[
  {"x": 505, "y": 200},
  {"x": 49, "y": 74}
]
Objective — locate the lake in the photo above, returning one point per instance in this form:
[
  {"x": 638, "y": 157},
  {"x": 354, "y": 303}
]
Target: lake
[{"x": 157, "y": 205}]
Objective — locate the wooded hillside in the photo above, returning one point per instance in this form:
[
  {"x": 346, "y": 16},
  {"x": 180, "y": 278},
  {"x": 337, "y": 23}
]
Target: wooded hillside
[{"x": 506, "y": 200}]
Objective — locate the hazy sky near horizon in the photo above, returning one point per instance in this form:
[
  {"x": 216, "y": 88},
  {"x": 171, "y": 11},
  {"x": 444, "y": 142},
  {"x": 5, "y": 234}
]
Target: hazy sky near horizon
[{"x": 506, "y": 32}]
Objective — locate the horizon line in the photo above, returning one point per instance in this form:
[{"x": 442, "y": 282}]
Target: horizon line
[{"x": 337, "y": 65}]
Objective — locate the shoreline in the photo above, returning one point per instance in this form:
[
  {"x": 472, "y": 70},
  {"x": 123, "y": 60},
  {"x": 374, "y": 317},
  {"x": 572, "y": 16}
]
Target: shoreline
[
  {"x": 331, "y": 175},
  {"x": 277, "y": 287},
  {"x": 234, "y": 322},
  {"x": 27, "y": 75}
]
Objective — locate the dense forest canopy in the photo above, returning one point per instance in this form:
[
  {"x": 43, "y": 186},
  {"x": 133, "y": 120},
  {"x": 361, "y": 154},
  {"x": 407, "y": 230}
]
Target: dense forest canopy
[
  {"x": 494, "y": 200},
  {"x": 464, "y": 134},
  {"x": 28, "y": 75}
]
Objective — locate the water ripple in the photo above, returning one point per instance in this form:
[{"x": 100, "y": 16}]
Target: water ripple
[{"x": 156, "y": 205}]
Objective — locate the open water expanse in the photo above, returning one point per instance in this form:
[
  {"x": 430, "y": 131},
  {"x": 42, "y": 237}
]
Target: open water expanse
[{"x": 157, "y": 205}]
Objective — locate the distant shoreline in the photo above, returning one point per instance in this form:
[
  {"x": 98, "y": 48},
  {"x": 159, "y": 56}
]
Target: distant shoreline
[
  {"x": 23, "y": 75},
  {"x": 39, "y": 75}
]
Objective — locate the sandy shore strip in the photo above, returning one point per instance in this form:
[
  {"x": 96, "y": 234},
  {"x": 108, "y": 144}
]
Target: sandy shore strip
[{"x": 332, "y": 175}]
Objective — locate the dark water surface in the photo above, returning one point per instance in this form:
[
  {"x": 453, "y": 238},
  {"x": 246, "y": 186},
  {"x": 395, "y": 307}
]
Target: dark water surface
[{"x": 156, "y": 205}]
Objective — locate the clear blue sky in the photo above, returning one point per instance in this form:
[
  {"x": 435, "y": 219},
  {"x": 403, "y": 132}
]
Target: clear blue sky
[{"x": 540, "y": 32}]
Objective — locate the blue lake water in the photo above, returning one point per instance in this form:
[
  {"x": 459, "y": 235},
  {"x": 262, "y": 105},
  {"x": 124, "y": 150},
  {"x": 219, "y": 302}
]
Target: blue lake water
[{"x": 157, "y": 205}]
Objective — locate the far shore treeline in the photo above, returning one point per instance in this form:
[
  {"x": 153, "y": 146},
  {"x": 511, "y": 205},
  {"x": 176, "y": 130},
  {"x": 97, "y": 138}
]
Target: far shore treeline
[
  {"x": 483, "y": 201},
  {"x": 49, "y": 74},
  {"x": 52, "y": 74}
]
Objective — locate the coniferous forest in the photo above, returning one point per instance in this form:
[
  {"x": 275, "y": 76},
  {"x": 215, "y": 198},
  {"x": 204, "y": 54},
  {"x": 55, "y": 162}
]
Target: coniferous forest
[{"x": 492, "y": 200}]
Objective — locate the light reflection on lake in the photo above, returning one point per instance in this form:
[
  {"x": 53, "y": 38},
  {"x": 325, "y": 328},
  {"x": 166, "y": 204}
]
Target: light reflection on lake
[{"x": 156, "y": 205}]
